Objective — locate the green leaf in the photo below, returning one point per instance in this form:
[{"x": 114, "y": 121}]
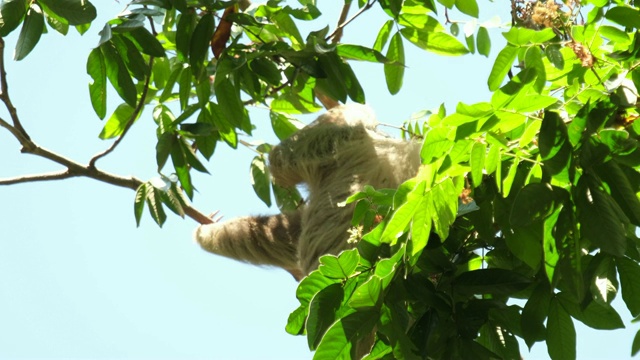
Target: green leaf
[
  {"x": 535, "y": 202},
  {"x": 75, "y": 12},
  {"x": 421, "y": 21},
  {"x": 184, "y": 30},
  {"x": 199, "y": 128},
  {"x": 511, "y": 175},
  {"x": 117, "y": 122},
  {"x": 501, "y": 66},
  {"x": 362, "y": 53},
  {"x": 436, "y": 144},
  {"x": 604, "y": 282},
  {"x": 561, "y": 334},
  {"x": 207, "y": 143},
  {"x": 629, "y": 271},
  {"x": 161, "y": 72},
  {"x": 341, "y": 266},
  {"x": 383, "y": 35},
  {"x": 118, "y": 74},
  {"x": 184, "y": 87},
  {"x": 297, "y": 320},
  {"x": 333, "y": 84},
  {"x": 165, "y": 145},
  {"x": 154, "y": 202},
  {"x": 267, "y": 70},
  {"x": 533, "y": 126},
  {"x": 322, "y": 313},
  {"x": 292, "y": 102},
  {"x": 444, "y": 206},
  {"x": 260, "y": 179},
  {"x": 32, "y": 29},
  {"x": 594, "y": 315},
  {"x": 367, "y": 295},
  {"x": 140, "y": 198},
  {"x": 97, "y": 69},
  {"x": 418, "y": 7},
  {"x": 533, "y": 60},
  {"x": 380, "y": 350},
  {"x": 226, "y": 131},
  {"x": 493, "y": 159},
  {"x": 311, "y": 285},
  {"x": 625, "y": 16},
  {"x": 549, "y": 244},
  {"x": 283, "y": 21},
  {"x": 478, "y": 154},
  {"x": 522, "y": 36},
  {"x": 483, "y": 41},
  {"x": 602, "y": 221},
  {"x": 231, "y": 105},
  {"x": 635, "y": 347},
  {"x": 614, "y": 34},
  {"x": 342, "y": 337},
  {"x": 287, "y": 199},
  {"x": 132, "y": 58},
  {"x": 490, "y": 281},
  {"x": 146, "y": 42},
  {"x": 470, "y": 41},
  {"x": 200, "y": 40},
  {"x": 81, "y": 29},
  {"x": 469, "y": 7},
  {"x": 402, "y": 216},
  {"x": 554, "y": 55},
  {"x": 621, "y": 189},
  {"x": 354, "y": 89},
  {"x": 534, "y": 313},
  {"x": 283, "y": 126},
  {"x": 173, "y": 199},
  {"x": 394, "y": 73},
  {"x": 555, "y": 148},
  {"x": 11, "y": 14},
  {"x": 531, "y": 102},
  {"x": 421, "y": 226},
  {"x": 436, "y": 42},
  {"x": 476, "y": 110},
  {"x": 526, "y": 244},
  {"x": 179, "y": 160}
]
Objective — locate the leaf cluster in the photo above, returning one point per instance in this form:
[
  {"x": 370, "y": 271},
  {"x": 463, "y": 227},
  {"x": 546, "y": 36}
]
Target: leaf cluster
[{"x": 532, "y": 194}]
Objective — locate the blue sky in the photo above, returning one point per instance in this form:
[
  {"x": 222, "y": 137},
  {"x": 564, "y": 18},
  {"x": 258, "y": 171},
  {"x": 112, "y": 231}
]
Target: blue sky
[{"x": 79, "y": 280}]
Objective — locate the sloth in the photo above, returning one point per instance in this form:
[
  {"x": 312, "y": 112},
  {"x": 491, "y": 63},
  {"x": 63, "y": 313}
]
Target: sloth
[{"x": 334, "y": 157}]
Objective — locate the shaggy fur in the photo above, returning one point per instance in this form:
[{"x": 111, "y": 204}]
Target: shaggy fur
[{"x": 335, "y": 157}]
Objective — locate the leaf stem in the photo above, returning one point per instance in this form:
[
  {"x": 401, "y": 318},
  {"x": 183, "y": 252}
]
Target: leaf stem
[{"x": 132, "y": 119}]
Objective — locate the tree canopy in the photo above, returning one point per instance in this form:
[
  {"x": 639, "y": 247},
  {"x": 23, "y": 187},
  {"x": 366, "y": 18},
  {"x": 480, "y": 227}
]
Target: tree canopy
[{"x": 548, "y": 165}]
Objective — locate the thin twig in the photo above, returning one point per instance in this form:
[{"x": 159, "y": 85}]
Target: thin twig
[
  {"x": 338, "y": 29},
  {"x": 197, "y": 215},
  {"x": 37, "y": 177},
  {"x": 76, "y": 169},
  {"x": 343, "y": 17},
  {"x": 270, "y": 93},
  {"x": 132, "y": 119},
  {"x": 15, "y": 132},
  {"x": 4, "y": 94}
]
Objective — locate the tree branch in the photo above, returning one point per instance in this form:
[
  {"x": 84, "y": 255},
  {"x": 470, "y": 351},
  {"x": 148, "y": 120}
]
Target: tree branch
[
  {"x": 4, "y": 96},
  {"x": 37, "y": 177},
  {"x": 74, "y": 169},
  {"x": 337, "y": 33}
]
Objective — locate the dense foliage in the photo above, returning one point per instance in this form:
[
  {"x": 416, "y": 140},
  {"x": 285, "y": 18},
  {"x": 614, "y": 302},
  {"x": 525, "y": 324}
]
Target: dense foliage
[{"x": 530, "y": 195}]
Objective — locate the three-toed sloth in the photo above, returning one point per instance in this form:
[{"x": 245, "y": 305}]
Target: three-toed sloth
[{"x": 335, "y": 157}]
